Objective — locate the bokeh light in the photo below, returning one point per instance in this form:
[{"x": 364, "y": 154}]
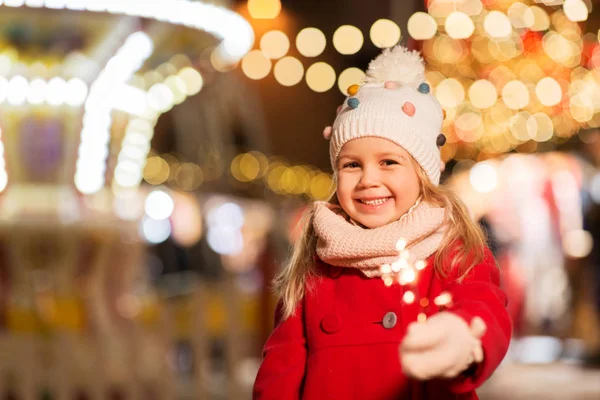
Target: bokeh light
[
  {"x": 348, "y": 39},
  {"x": 320, "y": 77},
  {"x": 256, "y": 65},
  {"x": 385, "y": 33},
  {"x": 515, "y": 95},
  {"x": 575, "y": 10},
  {"x": 422, "y": 26},
  {"x": 459, "y": 25},
  {"x": 548, "y": 91},
  {"x": 275, "y": 44},
  {"x": 450, "y": 93},
  {"x": 264, "y": 9},
  {"x": 483, "y": 94},
  {"x": 288, "y": 71},
  {"x": 311, "y": 42},
  {"x": 483, "y": 177},
  {"x": 497, "y": 25}
]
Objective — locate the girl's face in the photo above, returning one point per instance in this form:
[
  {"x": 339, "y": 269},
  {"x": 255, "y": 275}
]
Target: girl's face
[{"x": 377, "y": 181}]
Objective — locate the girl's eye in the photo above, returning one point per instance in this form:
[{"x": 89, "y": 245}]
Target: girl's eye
[
  {"x": 351, "y": 165},
  {"x": 389, "y": 162}
]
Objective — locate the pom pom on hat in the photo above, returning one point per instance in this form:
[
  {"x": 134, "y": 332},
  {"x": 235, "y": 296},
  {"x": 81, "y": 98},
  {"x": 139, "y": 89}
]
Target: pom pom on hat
[{"x": 397, "y": 64}]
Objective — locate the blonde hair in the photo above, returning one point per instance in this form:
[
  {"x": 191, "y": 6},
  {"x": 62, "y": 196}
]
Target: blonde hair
[{"x": 464, "y": 243}]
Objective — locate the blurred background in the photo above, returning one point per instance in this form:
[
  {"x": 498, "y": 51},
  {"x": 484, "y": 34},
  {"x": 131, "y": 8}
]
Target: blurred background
[{"x": 156, "y": 155}]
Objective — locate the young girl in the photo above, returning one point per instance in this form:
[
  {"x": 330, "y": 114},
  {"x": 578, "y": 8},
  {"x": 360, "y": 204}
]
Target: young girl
[{"x": 341, "y": 332}]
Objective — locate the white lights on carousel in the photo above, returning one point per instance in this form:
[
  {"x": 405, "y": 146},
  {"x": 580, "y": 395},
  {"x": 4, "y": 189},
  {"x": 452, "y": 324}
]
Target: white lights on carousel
[
  {"x": 18, "y": 91},
  {"x": 90, "y": 173},
  {"x": 236, "y": 33}
]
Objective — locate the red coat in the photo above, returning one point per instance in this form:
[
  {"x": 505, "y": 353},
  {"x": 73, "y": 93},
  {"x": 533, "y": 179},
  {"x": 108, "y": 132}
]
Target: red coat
[{"x": 343, "y": 340}]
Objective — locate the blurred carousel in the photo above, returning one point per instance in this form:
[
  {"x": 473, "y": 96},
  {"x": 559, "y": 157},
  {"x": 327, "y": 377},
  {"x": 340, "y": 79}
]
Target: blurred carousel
[{"x": 82, "y": 86}]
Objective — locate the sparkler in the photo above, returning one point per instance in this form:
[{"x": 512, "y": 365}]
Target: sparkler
[{"x": 405, "y": 273}]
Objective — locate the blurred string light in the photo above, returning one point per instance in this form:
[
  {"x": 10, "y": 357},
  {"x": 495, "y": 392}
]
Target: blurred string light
[
  {"x": 311, "y": 42},
  {"x": 236, "y": 33},
  {"x": 264, "y": 9},
  {"x": 256, "y": 65},
  {"x": 320, "y": 77},
  {"x": 252, "y": 167},
  {"x": 348, "y": 39},
  {"x": 288, "y": 71},
  {"x": 275, "y": 44},
  {"x": 385, "y": 33},
  {"x": 509, "y": 73}
]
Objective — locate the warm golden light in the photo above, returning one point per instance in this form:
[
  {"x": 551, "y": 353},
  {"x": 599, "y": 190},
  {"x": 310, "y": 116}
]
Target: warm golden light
[
  {"x": 421, "y": 26},
  {"x": 255, "y": 65},
  {"x": 264, "y": 9},
  {"x": 497, "y": 25},
  {"x": 540, "y": 127},
  {"x": 274, "y": 44},
  {"x": 548, "y": 91},
  {"x": 288, "y": 71},
  {"x": 350, "y": 76},
  {"x": 320, "y": 77},
  {"x": 450, "y": 93},
  {"x": 520, "y": 127},
  {"x": 469, "y": 127},
  {"x": 515, "y": 95},
  {"x": 575, "y": 10},
  {"x": 520, "y": 15},
  {"x": 311, "y": 42},
  {"x": 348, "y": 39},
  {"x": 541, "y": 20},
  {"x": 385, "y": 33},
  {"x": 459, "y": 25},
  {"x": 483, "y": 94}
]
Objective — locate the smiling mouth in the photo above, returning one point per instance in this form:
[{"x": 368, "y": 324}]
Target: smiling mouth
[{"x": 374, "y": 202}]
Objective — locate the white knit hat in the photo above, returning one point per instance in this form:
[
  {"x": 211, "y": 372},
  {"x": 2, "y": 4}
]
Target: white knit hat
[{"x": 394, "y": 103}]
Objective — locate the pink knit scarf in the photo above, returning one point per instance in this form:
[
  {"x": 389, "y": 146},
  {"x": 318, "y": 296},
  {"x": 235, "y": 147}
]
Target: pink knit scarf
[{"x": 345, "y": 244}]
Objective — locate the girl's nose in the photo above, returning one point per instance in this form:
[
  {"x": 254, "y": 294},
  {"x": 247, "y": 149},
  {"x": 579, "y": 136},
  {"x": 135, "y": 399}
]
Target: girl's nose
[{"x": 369, "y": 178}]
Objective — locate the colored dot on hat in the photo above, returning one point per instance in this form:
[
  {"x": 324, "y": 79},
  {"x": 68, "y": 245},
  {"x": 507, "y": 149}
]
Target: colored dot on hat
[
  {"x": 409, "y": 109},
  {"x": 441, "y": 140},
  {"x": 353, "y": 102},
  {"x": 424, "y": 88},
  {"x": 327, "y": 132},
  {"x": 352, "y": 90},
  {"x": 390, "y": 85}
]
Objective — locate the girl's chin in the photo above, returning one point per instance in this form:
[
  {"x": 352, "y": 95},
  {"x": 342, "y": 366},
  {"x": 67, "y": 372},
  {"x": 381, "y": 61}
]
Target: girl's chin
[{"x": 373, "y": 221}]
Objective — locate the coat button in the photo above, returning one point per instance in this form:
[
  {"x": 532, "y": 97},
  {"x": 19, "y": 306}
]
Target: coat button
[
  {"x": 334, "y": 272},
  {"x": 331, "y": 323},
  {"x": 389, "y": 320}
]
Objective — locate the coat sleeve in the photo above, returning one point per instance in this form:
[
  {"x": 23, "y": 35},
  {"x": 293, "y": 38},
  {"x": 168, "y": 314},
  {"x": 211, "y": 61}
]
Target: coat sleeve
[
  {"x": 281, "y": 373},
  {"x": 479, "y": 294}
]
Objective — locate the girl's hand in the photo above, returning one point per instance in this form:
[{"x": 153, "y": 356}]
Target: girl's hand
[{"x": 442, "y": 347}]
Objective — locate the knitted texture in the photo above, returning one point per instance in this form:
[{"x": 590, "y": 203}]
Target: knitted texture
[
  {"x": 344, "y": 244},
  {"x": 395, "y": 110}
]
